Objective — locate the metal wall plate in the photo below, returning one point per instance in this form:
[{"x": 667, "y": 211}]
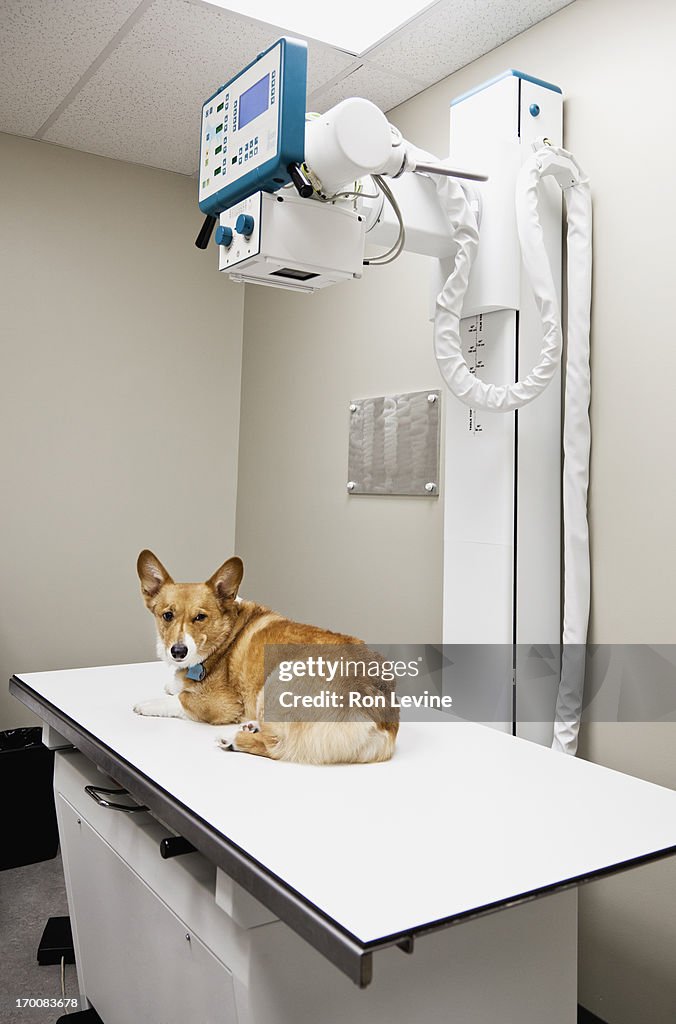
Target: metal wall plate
[{"x": 394, "y": 444}]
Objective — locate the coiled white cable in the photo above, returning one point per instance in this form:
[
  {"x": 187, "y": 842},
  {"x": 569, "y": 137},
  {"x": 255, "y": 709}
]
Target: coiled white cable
[{"x": 553, "y": 161}]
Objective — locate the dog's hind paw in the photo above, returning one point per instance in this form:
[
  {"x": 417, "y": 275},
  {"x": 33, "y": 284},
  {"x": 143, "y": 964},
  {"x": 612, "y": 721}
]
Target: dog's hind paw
[{"x": 226, "y": 741}]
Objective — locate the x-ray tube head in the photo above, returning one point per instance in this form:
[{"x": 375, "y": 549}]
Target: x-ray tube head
[{"x": 348, "y": 141}]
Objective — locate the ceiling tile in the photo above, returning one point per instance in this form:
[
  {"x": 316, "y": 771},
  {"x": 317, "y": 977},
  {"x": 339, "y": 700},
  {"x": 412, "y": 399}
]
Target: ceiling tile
[
  {"x": 325, "y": 64},
  {"x": 456, "y": 32},
  {"x": 46, "y": 46},
  {"x": 383, "y": 89},
  {"x": 144, "y": 102}
]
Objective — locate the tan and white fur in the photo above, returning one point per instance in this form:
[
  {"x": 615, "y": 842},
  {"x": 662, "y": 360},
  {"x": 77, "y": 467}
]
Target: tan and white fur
[{"x": 208, "y": 624}]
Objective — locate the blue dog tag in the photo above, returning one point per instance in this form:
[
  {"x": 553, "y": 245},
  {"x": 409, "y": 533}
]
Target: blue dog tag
[{"x": 196, "y": 673}]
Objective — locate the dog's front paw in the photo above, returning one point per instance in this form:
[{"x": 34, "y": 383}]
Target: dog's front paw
[
  {"x": 144, "y": 707},
  {"x": 173, "y": 686},
  {"x": 161, "y": 707}
]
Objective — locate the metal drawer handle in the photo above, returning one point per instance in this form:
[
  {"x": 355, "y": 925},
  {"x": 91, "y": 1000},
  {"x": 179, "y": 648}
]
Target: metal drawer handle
[{"x": 95, "y": 793}]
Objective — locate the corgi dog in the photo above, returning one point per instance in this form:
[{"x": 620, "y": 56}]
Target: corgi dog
[{"x": 216, "y": 642}]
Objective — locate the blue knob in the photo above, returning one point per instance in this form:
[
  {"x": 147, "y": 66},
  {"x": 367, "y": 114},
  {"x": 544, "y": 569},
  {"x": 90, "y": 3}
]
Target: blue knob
[
  {"x": 223, "y": 236},
  {"x": 534, "y": 110},
  {"x": 245, "y": 224}
]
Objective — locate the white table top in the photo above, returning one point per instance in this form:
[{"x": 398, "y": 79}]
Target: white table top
[{"x": 462, "y": 816}]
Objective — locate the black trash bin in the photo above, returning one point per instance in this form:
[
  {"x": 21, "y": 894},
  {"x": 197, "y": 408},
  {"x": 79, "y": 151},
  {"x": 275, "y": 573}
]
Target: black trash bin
[{"x": 27, "y": 812}]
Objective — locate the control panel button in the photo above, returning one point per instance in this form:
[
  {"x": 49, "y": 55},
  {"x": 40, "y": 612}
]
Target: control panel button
[
  {"x": 245, "y": 225},
  {"x": 223, "y": 236}
]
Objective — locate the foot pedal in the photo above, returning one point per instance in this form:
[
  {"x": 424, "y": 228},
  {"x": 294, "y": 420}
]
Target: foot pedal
[{"x": 56, "y": 942}]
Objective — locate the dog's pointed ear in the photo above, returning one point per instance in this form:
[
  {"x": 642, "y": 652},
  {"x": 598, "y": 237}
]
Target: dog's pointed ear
[
  {"x": 152, "y": 575},
  {"x": 226, "y": 580}
]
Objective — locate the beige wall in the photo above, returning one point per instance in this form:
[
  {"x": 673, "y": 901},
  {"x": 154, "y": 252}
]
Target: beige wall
[
  {"x": 121, "y": 351},
  {"x": 366, "y": 566},
  {"x": 374, "y": 566}
]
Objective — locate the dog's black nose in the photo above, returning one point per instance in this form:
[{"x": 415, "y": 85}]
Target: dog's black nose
[{"x": 179, "y": 651}]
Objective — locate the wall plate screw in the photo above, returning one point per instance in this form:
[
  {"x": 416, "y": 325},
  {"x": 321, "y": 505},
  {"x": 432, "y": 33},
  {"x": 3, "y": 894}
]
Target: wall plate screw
[
  {"x": 432, "y": 399},
  {"x": 430, "y": 487},
  {"x": 187, "y": 936},
  {"x": 351, "y": 485},
  {"x": 353, "y": 407},
  {"x": 79, "y": 821}
]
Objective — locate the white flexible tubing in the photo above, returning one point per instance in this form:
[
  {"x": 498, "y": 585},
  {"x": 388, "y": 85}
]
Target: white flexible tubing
[
  {"x": 576, "y": 448},
  {"x": 554, "y": 161},
  {"x": 447, "y": 344},
  {"x": 547, "y": 160}
]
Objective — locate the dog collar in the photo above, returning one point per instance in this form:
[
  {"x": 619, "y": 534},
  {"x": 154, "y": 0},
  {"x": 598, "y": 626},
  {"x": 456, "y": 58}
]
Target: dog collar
[{"x": 196, "y": 673}]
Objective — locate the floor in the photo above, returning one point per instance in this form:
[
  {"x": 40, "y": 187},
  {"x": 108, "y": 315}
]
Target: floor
[{"x": 28, "y": 897}]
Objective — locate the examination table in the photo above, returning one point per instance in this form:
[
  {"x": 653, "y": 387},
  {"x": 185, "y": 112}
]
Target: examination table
[{"x": 438, "y": 887}]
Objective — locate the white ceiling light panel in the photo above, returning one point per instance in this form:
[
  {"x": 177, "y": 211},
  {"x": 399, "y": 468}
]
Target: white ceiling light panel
[{"x": 351, "y": 25}]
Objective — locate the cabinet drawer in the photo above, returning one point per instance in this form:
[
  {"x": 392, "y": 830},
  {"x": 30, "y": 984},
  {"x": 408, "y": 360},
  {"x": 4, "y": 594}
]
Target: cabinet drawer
[{"x": 139, "y": 960}]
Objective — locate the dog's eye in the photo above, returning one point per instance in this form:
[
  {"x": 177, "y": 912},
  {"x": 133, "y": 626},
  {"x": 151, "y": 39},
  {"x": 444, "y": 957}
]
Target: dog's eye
[
  {"x": 167, "y": 616},
  {"x": 200, "y": 617}
]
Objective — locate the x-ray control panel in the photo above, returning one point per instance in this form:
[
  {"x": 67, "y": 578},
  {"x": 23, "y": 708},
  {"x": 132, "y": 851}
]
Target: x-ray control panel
[{"x": 253, "y": 128}]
